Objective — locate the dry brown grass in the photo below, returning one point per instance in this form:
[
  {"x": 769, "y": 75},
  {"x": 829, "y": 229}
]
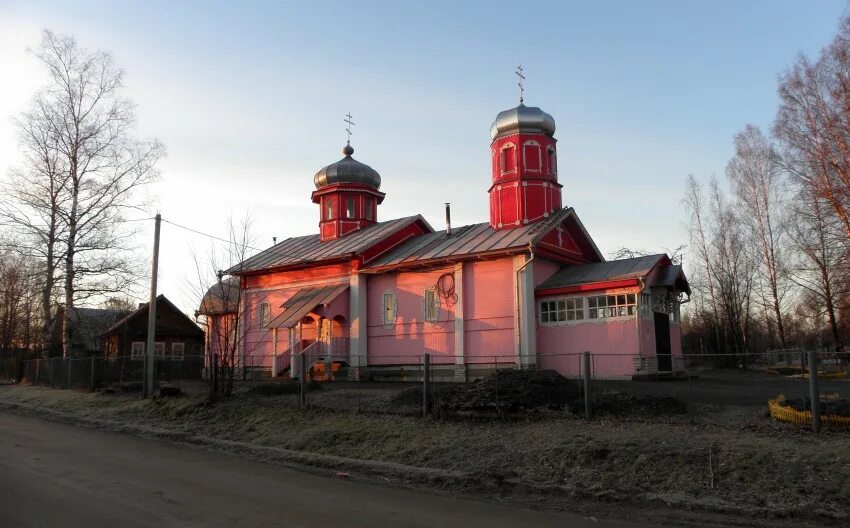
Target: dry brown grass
[{"x": 761, "y": 468}]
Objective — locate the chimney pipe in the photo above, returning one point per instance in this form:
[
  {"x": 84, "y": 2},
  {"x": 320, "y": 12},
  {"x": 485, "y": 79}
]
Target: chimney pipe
[
  {"x": 448, "y": 219},
  {"x": 274, "y": 240}
]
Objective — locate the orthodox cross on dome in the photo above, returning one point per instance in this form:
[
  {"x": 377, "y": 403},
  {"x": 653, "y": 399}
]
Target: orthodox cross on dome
[
  {"x": 349, "y": 124},
  {"x": 521, "y": 78}
]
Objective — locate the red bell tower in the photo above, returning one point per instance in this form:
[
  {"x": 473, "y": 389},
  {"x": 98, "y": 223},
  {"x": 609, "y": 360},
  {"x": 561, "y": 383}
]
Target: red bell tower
[
  {"x": 525, "y": 185},
  {"x": 348, "y": 196}
]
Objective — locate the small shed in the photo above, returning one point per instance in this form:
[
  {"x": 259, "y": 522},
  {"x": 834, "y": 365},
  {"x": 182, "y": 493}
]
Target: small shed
[{"x": 177, "y": 335}]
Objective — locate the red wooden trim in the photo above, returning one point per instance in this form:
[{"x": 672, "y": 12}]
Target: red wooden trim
[{"x": 606, "y": 285}]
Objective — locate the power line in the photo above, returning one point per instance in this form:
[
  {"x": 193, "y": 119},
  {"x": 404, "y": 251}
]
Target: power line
[{"x": 210, "y": 236}]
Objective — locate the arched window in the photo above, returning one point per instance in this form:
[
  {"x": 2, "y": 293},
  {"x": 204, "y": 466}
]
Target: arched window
[
  {"x": 531, "y": 157},
  {"x": 507, "y": 158},
  {"x": 329, "y": 208},
  {"x": 553, "y": 160},
  {"x": 370, "y": 202}
]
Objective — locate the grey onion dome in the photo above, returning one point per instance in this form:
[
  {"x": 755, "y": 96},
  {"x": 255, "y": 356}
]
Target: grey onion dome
[
  {"x": 347, "y": 170},
  {"x": 522, "y": 119}
]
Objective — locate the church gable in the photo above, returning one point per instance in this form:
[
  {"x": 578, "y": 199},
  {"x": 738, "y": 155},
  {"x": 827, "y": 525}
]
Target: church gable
[{"x": 569, "y": 241}]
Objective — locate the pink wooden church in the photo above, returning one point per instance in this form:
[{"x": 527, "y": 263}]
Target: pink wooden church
[{"x": 529, "y": 288}]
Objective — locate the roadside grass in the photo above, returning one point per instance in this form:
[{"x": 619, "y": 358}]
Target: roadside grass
[{"x": 759, "y": 467}]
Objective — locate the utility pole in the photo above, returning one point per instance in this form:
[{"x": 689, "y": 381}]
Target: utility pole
[{"x": 149, "y": 352}]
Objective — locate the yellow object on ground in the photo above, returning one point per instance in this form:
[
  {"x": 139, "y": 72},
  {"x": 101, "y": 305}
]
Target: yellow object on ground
[{"x": 786, "y": 413}]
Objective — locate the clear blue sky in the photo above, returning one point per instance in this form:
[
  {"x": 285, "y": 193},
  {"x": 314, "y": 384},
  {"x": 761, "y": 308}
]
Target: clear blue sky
[{"x": 248, "y": 97}]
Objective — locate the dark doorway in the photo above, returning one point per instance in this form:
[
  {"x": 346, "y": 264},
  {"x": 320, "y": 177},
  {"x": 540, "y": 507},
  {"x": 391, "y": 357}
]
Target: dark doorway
[{"x": 662, "y": 342}]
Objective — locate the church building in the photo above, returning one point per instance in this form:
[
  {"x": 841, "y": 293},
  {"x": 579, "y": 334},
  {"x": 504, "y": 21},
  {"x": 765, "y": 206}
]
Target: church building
[{"x": 367, "y": 297}]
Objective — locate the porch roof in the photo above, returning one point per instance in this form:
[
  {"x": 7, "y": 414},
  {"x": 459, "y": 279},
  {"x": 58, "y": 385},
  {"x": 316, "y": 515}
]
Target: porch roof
[{"x": 305, "y": 301}]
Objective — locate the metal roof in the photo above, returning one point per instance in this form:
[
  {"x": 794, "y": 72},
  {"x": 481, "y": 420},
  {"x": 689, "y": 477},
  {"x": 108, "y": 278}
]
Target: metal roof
[
  {"x": 467, "y": 240},
  {"x": 347, "y": 170},
  {"x": 308, "y": 249},
  {"x": 673, "y": 277},
  {"x": 524, "y": 119},
  {"x": 221, "y": 298},
  {"x": 630, "y": 268},
  {"x": 303, "y": 302}
]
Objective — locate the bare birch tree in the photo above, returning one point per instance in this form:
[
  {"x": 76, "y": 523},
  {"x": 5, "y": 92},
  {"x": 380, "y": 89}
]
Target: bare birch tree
[
  {"x": 35, "y": 194},
  {"x": 92, "y": 124},
  {"x": 813, "y": 124},
  {"x": 760, "y": 195},
  {"x": 821, "y": 268}
]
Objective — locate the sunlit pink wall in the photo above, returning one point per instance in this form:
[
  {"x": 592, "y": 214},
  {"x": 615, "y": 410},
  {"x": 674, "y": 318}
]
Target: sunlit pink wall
[
  {"x": 489, "y": 311},
  {"x": 613, "y": 343},
  {"x": 407, "y": 339}
]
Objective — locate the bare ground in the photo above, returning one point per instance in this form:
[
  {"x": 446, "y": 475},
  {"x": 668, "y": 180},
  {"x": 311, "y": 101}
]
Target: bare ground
[{"x": 751, "y": 471}]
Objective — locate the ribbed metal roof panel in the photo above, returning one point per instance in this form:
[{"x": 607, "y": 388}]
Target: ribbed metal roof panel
[
  {"x": 303, "y": 302},
  {"x": 631, "y": 268},
  {"x": 307, "y": 249}
]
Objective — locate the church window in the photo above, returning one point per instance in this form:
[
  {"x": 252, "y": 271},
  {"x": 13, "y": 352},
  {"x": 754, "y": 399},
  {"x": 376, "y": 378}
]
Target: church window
[
  {"x": 263, "y": 315},
  {"x": 607, "y": 306},
  {"x": 389, "y": 307},
  {"x": 329, "y": 209},
  {"x": 508, "y": 158},
  {"x": 431, "y": 305},
  {"x": 531, "y": 158},
  {"x": 553, "y": 160},
  {"x": 369, "y": 204},
  {"x": 562, "y": 310},
  {"x": 349, "y": 207}
]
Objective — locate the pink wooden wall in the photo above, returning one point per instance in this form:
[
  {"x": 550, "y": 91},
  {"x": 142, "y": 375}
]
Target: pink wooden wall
[
  {"x": 411, "y": 336},
  {"x": 259, "y": 342},
  {"x": 488, "y": 316},
  {"x": 613, "y": 343},
  {"x": 489, "y": 294}
]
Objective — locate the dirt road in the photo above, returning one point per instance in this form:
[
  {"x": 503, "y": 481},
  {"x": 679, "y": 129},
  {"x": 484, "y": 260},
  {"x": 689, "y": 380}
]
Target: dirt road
[{"x": 59, "y": 475}]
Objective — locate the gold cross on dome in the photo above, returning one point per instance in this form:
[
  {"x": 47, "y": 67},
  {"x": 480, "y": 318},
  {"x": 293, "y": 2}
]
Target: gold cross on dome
[
  {"x": 521, "y": 77},
  {"x": 350, "y": 123}
]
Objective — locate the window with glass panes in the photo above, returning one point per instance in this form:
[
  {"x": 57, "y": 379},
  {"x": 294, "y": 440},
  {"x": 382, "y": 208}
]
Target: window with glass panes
[
  {"x": 560, "y": 310},
  {"x": 619, "y": 305}
]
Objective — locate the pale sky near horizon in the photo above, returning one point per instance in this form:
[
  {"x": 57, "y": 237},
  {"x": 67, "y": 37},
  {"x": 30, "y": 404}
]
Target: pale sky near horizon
[{"x": 249, "y": 97}]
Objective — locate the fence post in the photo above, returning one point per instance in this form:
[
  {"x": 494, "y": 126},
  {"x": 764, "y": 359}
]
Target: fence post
[
  {"x": 91, "y": 384},
  {"x": 26, "y": 371},
  {"x": 426, "y": 383},
  {"x": 302, "y": 379},
  {"x": 52, "y": 372},
  {"x": 585, "y": 367},
  {"x": 214, "y": 373},
  {"x": 68, "y": 369},
  {"x": 37, "y": 369},
  {"x": 690, "y": 395},
  {"x": 814, "y": 396}
]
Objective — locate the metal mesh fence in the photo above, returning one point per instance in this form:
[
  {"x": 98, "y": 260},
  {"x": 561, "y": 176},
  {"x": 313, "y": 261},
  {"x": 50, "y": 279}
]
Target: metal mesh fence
[{"x": 717, "y": 387}]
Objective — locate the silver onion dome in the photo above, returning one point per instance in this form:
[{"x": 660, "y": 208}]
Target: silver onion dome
[
  {"x": 347, "y": 170},
  {"x": 522, "y": 119}
]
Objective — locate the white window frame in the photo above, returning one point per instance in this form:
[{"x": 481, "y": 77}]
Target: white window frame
[
  {"x": 528, "y": 145},
  {"x": 389, "y": 308},
  {"x": 174, "y": 347},
  {"x": 137, "y": 349},
  {"x": 502, "y": 150},
  {"x": 559, "y": 311},
  {"x": 159, "y": 349},
  {"x": 430, "y": 305},
  {"x": 623, "y": 306}
]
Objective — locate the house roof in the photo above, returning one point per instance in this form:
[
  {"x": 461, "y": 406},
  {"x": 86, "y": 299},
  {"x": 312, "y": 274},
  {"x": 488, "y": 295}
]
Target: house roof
[
  {"x": 143, "y": 308},
  {"x": 89, "y": 323},
  {"x": 673, "y": 277},
  {"x": 309, "y": 249},
  {"x": 221, "y": 298},
  {"x": 630, "y": 268},
  {"x": 467, "y": 240},
  {"x": 305, "y": 301}
]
